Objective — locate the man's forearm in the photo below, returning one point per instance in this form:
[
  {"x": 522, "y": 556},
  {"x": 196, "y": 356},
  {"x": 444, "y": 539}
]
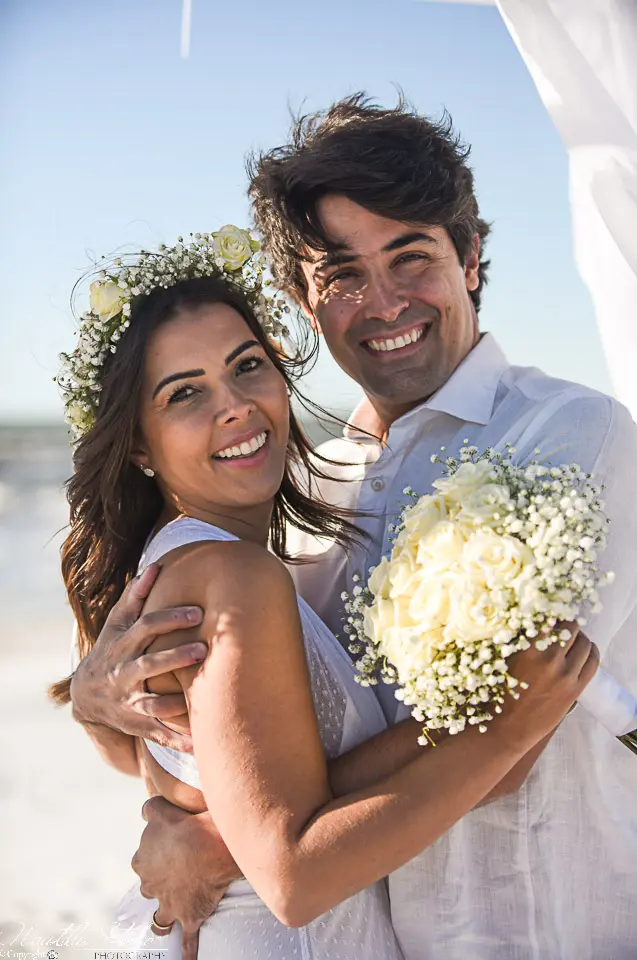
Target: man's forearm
[
  {"x": 392, "y": 749},
  {"x": 375, "y": 759}
]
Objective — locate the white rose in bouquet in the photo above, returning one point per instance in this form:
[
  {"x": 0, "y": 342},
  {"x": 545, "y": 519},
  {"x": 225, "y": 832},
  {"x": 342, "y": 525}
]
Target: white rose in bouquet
[
  {"x": 493, "y": 561},
  {"x": 498, "y": 560}
]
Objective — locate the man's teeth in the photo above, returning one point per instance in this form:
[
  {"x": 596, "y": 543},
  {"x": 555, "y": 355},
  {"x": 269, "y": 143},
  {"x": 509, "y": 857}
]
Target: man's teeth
[
  {"x": 245, "y": 449},
  {"x": 388, "y": 344}
]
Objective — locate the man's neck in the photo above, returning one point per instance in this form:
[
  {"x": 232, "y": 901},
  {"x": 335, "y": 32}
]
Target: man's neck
[{"x": 377, "y": 417}]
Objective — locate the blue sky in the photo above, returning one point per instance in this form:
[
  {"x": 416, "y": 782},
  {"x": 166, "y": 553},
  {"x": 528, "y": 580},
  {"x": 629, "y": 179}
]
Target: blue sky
[{"x": 110, "y": 138}]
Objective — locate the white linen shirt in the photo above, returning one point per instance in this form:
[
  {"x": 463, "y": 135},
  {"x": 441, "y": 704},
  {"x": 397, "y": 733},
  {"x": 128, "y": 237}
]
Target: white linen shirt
[{"x": 549, "y": 873}]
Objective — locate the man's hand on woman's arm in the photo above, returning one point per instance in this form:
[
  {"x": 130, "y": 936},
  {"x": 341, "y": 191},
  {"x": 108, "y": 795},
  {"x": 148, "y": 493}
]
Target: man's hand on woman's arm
[
  {"x": 108, "y": 689},
  {"x": 184, "y": 864}
]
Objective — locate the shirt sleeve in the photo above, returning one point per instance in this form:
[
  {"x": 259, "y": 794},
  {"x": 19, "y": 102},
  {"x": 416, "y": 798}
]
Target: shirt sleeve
[{"x": 598, "y": 433}]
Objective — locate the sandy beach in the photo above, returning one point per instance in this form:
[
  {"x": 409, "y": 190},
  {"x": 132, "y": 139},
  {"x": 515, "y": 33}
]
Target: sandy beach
[{"x": 68, "y": 823}]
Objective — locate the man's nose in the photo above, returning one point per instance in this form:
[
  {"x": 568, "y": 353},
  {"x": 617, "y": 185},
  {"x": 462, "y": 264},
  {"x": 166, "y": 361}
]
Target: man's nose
[{"x": 384, "y": 299}]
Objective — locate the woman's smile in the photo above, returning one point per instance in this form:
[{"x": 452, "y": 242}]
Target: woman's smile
[{"x": 246, "y": 451}]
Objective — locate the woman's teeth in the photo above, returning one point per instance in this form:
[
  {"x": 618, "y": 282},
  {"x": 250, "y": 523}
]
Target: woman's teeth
[
  {"x": 387, "y": 344},
  {"x": 245, "y": 449}
]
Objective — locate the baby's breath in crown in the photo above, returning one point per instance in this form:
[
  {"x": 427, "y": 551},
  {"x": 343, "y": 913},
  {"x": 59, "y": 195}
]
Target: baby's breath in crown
[{"x": 229, "y": 252}]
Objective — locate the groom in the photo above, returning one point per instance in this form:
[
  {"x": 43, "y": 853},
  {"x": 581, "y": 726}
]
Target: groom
[{"x": 372, "y": 224}]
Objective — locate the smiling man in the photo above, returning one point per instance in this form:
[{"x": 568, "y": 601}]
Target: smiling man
[
  {"x": 415, "y": 340},
  {"x": 371, "y": 222},
  {"x": 373, "y": 227}
]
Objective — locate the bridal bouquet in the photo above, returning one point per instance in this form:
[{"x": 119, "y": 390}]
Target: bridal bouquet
[{"x": 487, "y": 564}]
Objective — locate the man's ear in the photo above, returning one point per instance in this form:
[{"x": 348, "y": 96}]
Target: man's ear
[{"x": 472, "y": 264}]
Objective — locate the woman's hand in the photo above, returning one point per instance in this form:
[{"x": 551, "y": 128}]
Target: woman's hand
[
  {"x": 555, "y": 679},
  {"x": 109, "y": 685}
]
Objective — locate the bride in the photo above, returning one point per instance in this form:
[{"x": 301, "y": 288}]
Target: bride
[{"x": 189, "y": 453}]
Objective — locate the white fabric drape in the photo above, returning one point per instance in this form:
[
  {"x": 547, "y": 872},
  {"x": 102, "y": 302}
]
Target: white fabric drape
[{"x": 582, "y": 55}]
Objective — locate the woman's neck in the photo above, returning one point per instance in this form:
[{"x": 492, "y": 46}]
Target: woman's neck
[{"x": 250, "y": 523}]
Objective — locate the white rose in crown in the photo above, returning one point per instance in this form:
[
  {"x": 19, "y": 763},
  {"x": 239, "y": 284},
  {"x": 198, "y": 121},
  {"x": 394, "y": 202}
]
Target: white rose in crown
[
  {"x": 75, "y": 414},
  {"x": 106, "y": 299},
  {"x": 234, "y": 246}
]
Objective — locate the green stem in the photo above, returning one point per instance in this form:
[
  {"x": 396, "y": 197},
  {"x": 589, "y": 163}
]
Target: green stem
[{"x": 630, "y": 740}]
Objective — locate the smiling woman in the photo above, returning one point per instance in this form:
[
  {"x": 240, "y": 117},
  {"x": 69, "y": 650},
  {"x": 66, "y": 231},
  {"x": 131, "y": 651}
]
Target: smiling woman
[
  {"x": 197, "y": 424},
  {"x": 193, "y": 418}
]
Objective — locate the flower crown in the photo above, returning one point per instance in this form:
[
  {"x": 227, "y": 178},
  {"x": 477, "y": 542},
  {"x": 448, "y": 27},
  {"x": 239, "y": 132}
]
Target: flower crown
[{"x": 230, "y": 253}]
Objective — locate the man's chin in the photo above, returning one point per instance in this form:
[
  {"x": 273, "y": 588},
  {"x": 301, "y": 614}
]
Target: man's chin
[{"x": 398, "y": 391}]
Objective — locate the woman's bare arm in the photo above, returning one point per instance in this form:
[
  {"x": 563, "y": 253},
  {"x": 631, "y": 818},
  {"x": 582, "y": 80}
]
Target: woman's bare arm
[{"x": 260, "y": 756}]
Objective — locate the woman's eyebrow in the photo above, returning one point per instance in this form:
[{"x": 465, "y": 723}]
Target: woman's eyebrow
[
  {"x": 238, "y": 350},
  {"x": 177, "y": 376}
]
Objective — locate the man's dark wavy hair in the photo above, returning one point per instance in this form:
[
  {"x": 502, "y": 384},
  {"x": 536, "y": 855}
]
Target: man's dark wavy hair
[{"x": 392, "y": 162}]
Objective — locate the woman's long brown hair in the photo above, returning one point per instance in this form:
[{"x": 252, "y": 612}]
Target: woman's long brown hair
[{"x": 114, "y": 506}]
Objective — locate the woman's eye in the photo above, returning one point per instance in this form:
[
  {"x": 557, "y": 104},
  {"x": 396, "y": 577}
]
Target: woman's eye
[
  {"x": 249, "y": 364},
  {"x": 181, "y": 393}
]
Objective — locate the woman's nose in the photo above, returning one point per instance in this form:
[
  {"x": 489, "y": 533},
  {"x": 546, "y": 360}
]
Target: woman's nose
[{"x": 233, "y": 405}]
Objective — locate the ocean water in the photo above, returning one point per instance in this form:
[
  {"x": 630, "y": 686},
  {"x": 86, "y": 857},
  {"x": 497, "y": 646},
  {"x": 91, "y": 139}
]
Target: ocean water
[{"x": 34, "y": 464}]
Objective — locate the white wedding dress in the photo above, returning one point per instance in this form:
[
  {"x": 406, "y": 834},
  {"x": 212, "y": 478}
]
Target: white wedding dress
[{"x": 242, "y": 927}]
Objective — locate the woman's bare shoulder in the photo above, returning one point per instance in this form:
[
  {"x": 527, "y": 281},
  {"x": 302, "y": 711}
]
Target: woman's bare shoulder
[
  {"x": 233, "y": 582},
  {"x": 220, "y": 573}
]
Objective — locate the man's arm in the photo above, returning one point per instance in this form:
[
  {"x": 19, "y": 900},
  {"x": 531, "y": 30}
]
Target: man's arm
[
  {"x": 392, "y": 749},
  {"x": 108, "y": 689},
  {"x": 117, "y": 749}
]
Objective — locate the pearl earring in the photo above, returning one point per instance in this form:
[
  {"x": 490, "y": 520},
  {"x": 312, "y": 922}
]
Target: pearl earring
[{"x": 148, "y": 471}]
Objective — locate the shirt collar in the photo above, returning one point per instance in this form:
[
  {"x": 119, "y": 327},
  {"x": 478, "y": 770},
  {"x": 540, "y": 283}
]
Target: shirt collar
[{"x": 469, "y": 393}]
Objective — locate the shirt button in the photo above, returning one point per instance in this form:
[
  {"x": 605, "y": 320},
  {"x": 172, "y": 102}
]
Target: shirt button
[{"x": 378, "y": 484}]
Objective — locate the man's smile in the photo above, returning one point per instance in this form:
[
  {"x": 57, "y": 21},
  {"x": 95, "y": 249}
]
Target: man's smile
[{"x": 400, "y": 343}]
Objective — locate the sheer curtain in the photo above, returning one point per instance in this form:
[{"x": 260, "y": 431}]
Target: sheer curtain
[{"x": 582, "y": 55}]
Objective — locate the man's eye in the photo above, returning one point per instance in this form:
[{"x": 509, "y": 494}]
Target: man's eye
[
  {"x": 335, "y": 277},
  {"x": 181, "y": 393},
  {"x": 412, "y": 257}
]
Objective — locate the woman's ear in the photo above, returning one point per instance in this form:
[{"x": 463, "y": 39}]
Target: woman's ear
[{"x": 139, "y": 458}]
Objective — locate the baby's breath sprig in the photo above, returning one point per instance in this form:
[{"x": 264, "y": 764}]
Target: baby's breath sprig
[
  {"x": 482, "y": 568},
  {"x": 230, "y": 252}
]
